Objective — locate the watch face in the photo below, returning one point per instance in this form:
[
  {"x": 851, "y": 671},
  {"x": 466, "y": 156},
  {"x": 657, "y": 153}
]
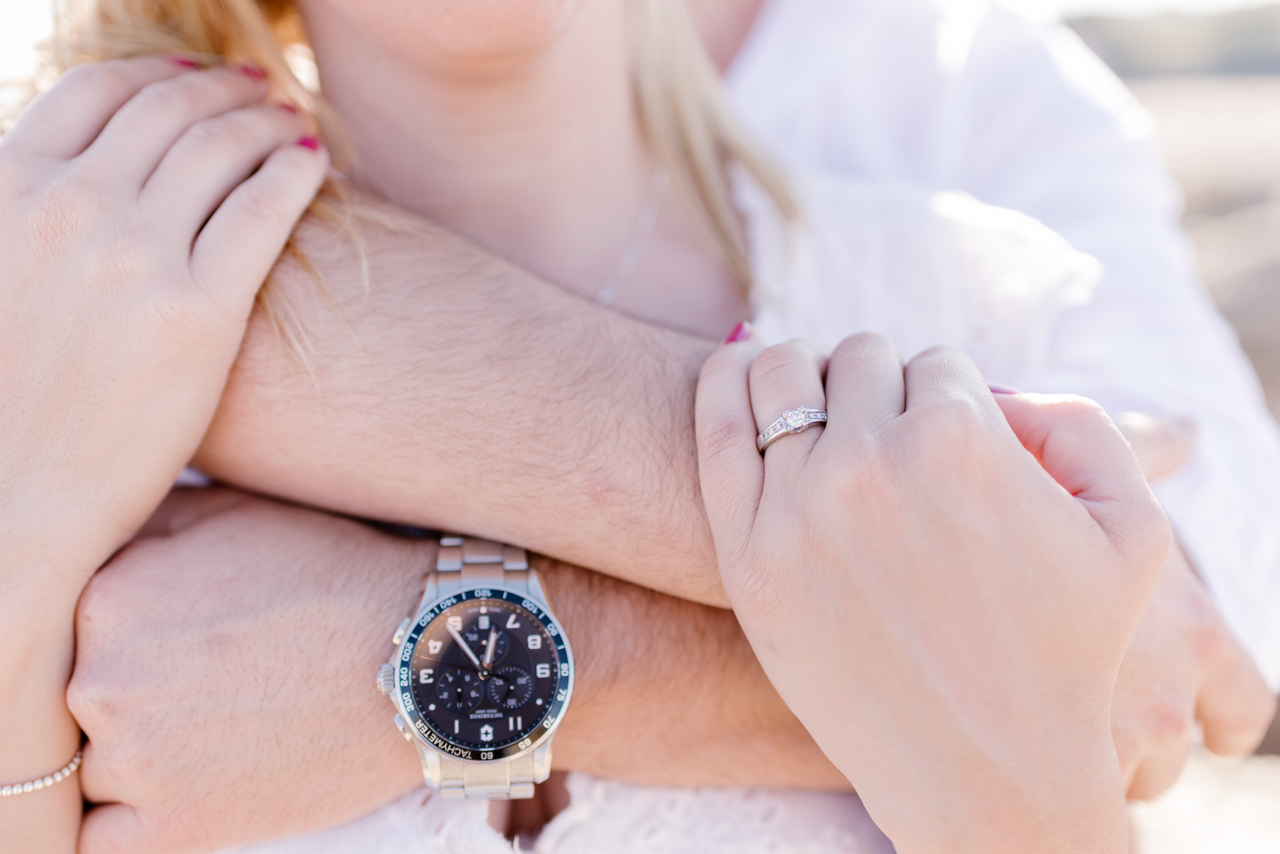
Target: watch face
[{"x": 484, "y": 674}]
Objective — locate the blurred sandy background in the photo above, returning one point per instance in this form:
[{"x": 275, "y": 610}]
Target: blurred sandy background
[
  {"x": 1221, "y": 136},
  {"x": 1213, "y": 85},
  {"x": 1209, "y": 71}
]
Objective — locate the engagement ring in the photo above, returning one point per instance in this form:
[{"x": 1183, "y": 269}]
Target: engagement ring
[{"x": 792, "y": 421}]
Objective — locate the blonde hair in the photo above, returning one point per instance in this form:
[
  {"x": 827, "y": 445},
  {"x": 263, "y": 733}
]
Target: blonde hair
[{"x": 683, "y": 116}]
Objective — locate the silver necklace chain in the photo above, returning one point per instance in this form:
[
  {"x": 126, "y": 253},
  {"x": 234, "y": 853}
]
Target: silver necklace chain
[{"x": 639, "y": 236}]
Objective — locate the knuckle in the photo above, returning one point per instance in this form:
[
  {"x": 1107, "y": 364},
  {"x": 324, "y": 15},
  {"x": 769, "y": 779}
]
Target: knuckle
[
  {"x": 1203, "y": 630},
  {"x": 182, "y": 96},
  {"x": 863, "y": 344},
  {"x": 750, "y": 583},
  {"x": 781, "y": 361},
  {"x": 225, "y": 133},
  {"x": 98, "y": 608},
  {"x": 947, "y": 427},
  {"x": 718, "y": 437},
  {"x": 1167, "y": 721},
  {"x": 1150, "y": 535},
  {"x": 294, "y": 171},
  {"x": 942, "y": 360},
  {"x": 91, "y": 701},
  {"x": 720, "y": 367},
  {"x": 104, "y": 78},
  {"x": 1067, "y": 406},
  {"x": 260, "y": 203}
]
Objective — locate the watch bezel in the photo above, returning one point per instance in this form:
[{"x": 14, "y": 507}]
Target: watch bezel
[{"x": 421, "y": 728}]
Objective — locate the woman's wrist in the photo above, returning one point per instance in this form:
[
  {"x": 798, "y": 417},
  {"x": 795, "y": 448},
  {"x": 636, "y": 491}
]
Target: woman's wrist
[
  {"x": 52, "y": 547},
  {"x": 40, "y": 586},
  {"x": 1064, "y": 794},
  {"x": 37, "y": 733}
]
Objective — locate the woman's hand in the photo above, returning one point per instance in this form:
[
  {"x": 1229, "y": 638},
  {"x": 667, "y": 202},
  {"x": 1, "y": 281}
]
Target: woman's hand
[
  {"x": 142, "y": 204},
  {"x": 135, "y": 233},
  {"x": 930, "y": 595}
]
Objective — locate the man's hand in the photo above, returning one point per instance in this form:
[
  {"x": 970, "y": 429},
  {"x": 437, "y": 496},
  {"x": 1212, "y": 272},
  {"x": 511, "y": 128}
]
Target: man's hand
[
  {"x": 1183, "y": 665},
  {"x": 225, "y": 678},
  {"x": 216, "y": 676}
]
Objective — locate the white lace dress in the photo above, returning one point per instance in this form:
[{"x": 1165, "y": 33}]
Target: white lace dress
[{"x": 922, "y": 268}]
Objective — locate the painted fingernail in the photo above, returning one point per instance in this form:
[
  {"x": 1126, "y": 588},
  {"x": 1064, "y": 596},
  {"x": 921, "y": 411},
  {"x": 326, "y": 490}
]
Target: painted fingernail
[
  {"x": 996, "y": 388},
  {"x": 288, "y": 108},
  {"x": 310, "y": 142},
  {"x": 184, "y": 62},
  {"x": 248, "y": 69},
  {"x": 741, "y": 332}
]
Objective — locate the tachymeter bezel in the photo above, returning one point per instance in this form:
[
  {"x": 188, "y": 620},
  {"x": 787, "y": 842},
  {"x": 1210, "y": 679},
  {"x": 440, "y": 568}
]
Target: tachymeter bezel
[{"x": 422, "y": 728}]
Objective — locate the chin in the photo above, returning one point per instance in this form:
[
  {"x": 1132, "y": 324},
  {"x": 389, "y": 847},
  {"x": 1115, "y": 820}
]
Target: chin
[{"x": 471, "y": 30}]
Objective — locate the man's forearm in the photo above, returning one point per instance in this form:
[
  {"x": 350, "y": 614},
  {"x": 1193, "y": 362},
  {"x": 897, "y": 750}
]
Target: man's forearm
[
  {"x": 458, "y": 391},
  {"x": 670, "y": 693},
  {"x": 667, "y": 691}
]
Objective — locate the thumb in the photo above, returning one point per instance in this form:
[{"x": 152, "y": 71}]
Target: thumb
[
  {"x": 1235, "y": 705},
  {"x": 1161, "y": 445},
  {"x": 1080, "y": 448},
  {"x": 730, "y": 469},
  {"x": 183, "y": 508},
  {"x": 116, "y": 829}
]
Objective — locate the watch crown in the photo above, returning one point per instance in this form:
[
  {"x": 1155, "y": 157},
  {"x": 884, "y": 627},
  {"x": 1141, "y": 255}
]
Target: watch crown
[
  {"x": 401, "y": 631},
  {"x": 386, "y": 678},
  {"x": 403, "y": 727}
]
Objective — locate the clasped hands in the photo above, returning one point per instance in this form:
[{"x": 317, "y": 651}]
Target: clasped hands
[
  {"x": 967, "y": 674},
  {"x": 278, "y": 615}
]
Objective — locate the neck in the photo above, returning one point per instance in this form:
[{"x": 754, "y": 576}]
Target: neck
[{"x": 520, "y": 151}]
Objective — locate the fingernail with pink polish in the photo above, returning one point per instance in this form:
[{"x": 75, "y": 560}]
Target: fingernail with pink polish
[
  {"x": 310, "y": 142},
  {"x": 996, "y": 388},
  {"x": 741, "y": 332},
  {"x": 184, "y": 62},
  {"x": 248, "y": 69}
]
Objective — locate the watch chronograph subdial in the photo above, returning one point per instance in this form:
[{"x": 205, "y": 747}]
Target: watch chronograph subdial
[
  {"x": 459, "y": 691},
  {"x": 510, "y": 687}
]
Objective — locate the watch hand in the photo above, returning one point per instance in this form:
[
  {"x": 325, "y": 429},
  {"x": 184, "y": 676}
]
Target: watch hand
[
  {"x": 471, "y": 655},
  {"x": 489, "y": 647}
]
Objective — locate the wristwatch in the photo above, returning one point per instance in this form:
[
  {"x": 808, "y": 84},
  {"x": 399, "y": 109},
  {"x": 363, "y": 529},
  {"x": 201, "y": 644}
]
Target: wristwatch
[{"x": 482, "y": 674}]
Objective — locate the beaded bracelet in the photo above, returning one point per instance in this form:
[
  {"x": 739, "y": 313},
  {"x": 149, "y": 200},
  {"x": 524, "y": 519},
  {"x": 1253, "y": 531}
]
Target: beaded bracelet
[{"x": 44, "y": 782}]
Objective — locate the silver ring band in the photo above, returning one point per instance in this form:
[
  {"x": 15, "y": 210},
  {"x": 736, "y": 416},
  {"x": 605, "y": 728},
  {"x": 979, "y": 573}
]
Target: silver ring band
[{"x": 789, "y": 423}]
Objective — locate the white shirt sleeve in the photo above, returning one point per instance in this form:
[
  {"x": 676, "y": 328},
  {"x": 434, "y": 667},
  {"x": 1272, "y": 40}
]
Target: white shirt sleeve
[
  {"x": 976, "y": 97},
  {"x": 1150, "y": 340}
]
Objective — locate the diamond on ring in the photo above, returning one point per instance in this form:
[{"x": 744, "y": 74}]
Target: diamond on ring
[{"x": 791, "y": 422}]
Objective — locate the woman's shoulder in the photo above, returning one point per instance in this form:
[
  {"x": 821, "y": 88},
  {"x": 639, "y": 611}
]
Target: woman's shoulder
[
  {"x": 931, "y": 90},
  {"x": 925, "y": 268}
]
